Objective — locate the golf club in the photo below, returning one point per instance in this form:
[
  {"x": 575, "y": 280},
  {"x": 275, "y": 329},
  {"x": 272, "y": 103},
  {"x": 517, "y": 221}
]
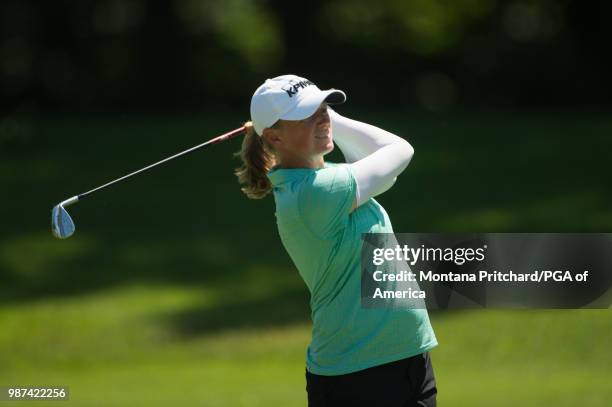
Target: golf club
[{"x": 62, "y": 225}]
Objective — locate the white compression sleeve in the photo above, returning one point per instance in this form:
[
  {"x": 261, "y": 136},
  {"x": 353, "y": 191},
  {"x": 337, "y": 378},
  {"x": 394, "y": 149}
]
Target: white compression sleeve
[{"x": 377, "y": 157}]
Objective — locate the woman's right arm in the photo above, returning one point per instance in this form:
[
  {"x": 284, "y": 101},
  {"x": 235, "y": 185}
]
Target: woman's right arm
[{"x": 376, "y": 156}]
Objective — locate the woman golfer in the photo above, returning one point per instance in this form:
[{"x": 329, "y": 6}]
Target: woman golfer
[{"x": 358, "y": 356}]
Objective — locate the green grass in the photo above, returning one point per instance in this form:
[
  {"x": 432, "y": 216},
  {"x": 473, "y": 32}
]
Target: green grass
[
  {"x": 202, "y": 305},
  {"x": 117, "y": 348}
]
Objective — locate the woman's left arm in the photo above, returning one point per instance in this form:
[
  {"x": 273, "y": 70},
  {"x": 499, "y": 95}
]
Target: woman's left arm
[
  {"x": 377, "y": 157},
  {"x": 357, "y": 139}
]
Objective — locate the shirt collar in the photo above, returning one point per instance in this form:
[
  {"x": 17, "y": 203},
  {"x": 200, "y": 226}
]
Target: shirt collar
[{"x": 281, "y": 175}]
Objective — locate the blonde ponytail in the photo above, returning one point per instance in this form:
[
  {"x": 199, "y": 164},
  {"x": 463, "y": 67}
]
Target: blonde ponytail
[{"x": 257, "y": 159}]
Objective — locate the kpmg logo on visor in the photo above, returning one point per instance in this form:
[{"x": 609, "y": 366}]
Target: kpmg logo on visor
[{"x": 296, "y": 86}]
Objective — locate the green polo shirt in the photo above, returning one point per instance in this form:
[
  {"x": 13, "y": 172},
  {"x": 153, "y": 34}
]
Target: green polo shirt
[{"x": 324, "y": 241}]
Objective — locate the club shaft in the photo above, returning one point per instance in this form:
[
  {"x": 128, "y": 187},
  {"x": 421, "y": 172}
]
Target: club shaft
[{"x": 215, "y": 140}]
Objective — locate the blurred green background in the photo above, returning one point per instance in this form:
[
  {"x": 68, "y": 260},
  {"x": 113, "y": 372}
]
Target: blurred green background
[{"x": 176, "y": 288}]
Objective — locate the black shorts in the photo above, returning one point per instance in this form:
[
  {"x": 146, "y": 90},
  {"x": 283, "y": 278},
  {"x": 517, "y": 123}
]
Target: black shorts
[{"x": 406, "y": 383}]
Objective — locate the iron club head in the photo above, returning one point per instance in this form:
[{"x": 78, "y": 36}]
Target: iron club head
[{"x": 62, "y": 225}]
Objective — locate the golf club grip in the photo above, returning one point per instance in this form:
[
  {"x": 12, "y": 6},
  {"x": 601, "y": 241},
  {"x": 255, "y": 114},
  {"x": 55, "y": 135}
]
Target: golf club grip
[
  {"x": 223, "y": 137},
  {"x": 227, "y": 136}
]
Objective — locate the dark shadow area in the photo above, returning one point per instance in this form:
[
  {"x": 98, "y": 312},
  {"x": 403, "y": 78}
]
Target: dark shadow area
[
  {"x": 160, "y": 55},
  {"x": 286, "y": 307}
]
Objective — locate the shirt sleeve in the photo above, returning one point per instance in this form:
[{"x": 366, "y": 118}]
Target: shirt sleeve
[{"x": 326, "y": 198}]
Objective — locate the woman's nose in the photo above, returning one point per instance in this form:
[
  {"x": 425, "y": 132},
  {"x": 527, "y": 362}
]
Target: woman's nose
[{"x": 324, "y": 115}]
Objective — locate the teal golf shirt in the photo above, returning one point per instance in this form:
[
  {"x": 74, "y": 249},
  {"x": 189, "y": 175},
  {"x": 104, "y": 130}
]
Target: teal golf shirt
[{"x": 324, "y": 241}]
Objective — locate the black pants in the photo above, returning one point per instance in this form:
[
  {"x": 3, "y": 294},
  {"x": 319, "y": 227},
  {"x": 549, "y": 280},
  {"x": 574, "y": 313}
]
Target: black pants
[{"x": 404, "y": 383}]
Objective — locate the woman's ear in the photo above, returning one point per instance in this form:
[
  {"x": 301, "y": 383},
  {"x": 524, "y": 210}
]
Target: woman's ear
[{"x": 272, "y": 136}]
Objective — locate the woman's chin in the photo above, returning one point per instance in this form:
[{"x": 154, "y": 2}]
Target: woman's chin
[{"x": 329, "y": 147}]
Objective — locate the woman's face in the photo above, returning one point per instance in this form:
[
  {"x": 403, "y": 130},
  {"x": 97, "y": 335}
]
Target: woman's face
[{"x": 302, "y": 143}]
